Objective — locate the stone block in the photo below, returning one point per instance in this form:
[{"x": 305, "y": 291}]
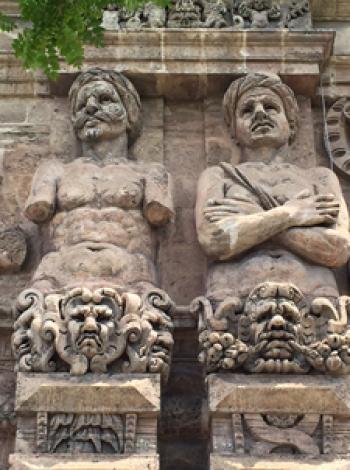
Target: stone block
[
  {"x": 297, "y": 418},
  {"x": 220, "y": 462},
  {"x": 95, "y": 414},
  {"x": 61, "y": 462}
]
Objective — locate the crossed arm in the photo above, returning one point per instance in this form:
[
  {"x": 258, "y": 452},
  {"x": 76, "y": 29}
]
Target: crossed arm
[{"x": 312, "y": 226}]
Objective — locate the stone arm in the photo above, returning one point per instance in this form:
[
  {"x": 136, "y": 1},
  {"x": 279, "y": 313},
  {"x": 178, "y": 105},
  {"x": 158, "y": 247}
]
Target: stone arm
[
  {"x": 233, "y": 234},
  {"x": 299, "y": 225},
  {"x": 158, "y": 206},
  {"x": 328, "y": 246},
  {"x": 41, "y": 202}
]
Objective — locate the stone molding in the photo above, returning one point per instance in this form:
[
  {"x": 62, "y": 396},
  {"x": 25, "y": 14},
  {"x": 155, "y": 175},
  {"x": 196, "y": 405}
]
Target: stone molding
[{"x": 208, "y": 59}]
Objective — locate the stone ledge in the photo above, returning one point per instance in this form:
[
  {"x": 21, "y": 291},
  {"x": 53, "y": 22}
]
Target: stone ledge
[
  {"x": 96, "y": 462},
  {"x": 220, "y": 462},
  {"x": 238, "y": 393},
  {"x": 59, "y": 392},
  {"x": 188, "y": 64}
]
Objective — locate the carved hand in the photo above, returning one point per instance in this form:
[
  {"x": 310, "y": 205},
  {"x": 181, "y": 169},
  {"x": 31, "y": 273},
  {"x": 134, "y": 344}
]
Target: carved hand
[
  {"x": 217, "y": 209},
  {"x": 307, "y": 209}
]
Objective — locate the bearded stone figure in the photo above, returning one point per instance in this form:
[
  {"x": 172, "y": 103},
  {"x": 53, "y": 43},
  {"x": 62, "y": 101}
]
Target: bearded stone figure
[
  {"x": 268, "y": 221},
  {"x": 97, "y": 215},
  {"x": 97, "y": 212}
]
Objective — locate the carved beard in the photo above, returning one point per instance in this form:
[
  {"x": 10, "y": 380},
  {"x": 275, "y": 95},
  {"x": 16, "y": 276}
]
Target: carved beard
[
  {"x": 89, "y": 344},
  {"x": 93, "y": 133}
]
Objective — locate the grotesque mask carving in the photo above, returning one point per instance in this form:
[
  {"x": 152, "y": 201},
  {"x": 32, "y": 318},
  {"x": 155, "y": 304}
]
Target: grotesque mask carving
[
  {"x": 93, "y": 330},
  {"x": 275, "y": 331}
]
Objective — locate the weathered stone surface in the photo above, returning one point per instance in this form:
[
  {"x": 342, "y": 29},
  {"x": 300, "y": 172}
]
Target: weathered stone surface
[
  {"x": 58, "y": 415},
  {"x": 218, "y": 462},
  {"x": 96, "y": 207},
  {"x": 229, "y": 393},
  {"x": 296, "y": 419},
  {"x": 122, "y": 393},
  {"x": 19, "y": 462},
  {"x": 97, "y": 330},
  {"x": 266, "y": 225}
]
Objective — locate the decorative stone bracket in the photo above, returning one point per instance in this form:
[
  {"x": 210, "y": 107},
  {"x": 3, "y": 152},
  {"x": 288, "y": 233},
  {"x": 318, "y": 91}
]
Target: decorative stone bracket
[
  {"x": 95, "y": 330},
  {"x": 275, "y": 330}
]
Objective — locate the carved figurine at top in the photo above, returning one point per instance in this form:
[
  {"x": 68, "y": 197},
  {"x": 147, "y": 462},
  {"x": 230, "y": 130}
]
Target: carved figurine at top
[
  {"x": 259, "y": 12},
  {"x": 271, "y": 227},
  {"x": 96, "y": 215}
]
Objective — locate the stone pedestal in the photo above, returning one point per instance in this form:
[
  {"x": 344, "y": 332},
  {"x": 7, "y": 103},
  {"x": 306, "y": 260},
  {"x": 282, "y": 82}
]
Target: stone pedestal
[
  {"x": 90, "y": 422},
  {"x": 279, "y": 422}
]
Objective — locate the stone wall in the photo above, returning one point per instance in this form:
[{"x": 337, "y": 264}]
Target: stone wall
[{"x": 181, "y": 79}]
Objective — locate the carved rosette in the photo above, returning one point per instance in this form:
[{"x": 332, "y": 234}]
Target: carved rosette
[
  {"x": 275, "y": 330},
  {"x": 93, "y": 330}
]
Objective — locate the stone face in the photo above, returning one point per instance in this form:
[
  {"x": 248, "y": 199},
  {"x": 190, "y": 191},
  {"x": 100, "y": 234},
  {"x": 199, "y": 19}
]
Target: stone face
[{"x": 92, "y": 331}]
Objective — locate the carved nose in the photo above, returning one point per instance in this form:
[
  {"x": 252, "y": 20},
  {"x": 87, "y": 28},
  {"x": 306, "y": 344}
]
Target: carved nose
[
  {"x": 260, "y": 113},
  {"x": 91, "y": 105},
  {"x": 90, "y": 324},
  {"x": 277, "y": 322}
]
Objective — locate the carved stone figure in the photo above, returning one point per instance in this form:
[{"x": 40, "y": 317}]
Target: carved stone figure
[
  {"x": 97, "y": 212},
  {"x": 97, "y": 330},
  {"x": 259, "y": 12},
  {"x": 147, "y": 16},
  {"x": 91, "y": 303},
  {"x": 268, "y": 221},
  {"x": 185, "y": 14},
  {"x": 275, "y": 331}
]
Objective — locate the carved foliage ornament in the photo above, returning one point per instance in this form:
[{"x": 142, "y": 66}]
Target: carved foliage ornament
[
  {"x": 274, "y": 331},
  {"x": 93, "y": 330}
]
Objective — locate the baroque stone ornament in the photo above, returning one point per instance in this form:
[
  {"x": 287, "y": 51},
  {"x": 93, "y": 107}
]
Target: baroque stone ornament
[
  {"x": 237, "y": 14},
  {"x": 273, "y": 232},
  {"x": 99, "y": 330},
  {"x": 94, "y": 433},
  {"x": 275, "y": 331},
  {"x": 259, "y": 13},
  {"x": 338, "y": 125}
]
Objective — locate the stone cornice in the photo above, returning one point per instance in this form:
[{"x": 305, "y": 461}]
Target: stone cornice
[{"x": 192, "y": 63}]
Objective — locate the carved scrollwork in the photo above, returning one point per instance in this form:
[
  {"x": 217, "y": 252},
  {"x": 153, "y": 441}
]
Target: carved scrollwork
[
  {"x": 93, "y": 330},
  {"x": 338, "y": 125},
  {"x": 274, "y": 331}
]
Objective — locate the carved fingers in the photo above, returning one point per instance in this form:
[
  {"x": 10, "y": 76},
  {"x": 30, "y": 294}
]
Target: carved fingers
[
  {"x": 217, "y": 209},
  {"x": 308, "y": 209}
]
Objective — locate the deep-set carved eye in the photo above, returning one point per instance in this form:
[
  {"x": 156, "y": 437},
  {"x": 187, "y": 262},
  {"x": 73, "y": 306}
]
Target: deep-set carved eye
[
  {"x": 105, "y": 99},
  {"x": 270, "y": 107},
  {"x": 247, "y": 110},
  {"x": 78, "y": 316}
]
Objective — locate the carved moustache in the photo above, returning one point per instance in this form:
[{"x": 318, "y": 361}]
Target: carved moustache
[
  {"x": 86, "y": 335},
  {"x": 102, "y": 116}
]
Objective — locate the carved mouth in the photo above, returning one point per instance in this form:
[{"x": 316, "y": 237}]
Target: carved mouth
[
  {"x": 89, "y": 339},
  {"x": 281, "y": 335},
  {"x": 262, "y": 125}
]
